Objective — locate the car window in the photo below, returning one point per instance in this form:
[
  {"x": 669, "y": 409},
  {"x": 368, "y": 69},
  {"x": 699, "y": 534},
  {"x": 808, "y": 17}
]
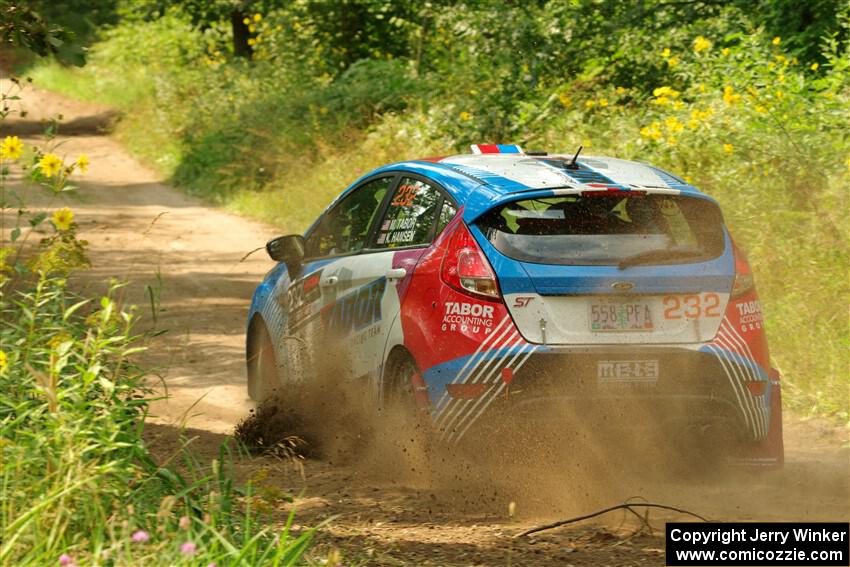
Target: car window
[
  {"x": 605, "y": 229},
  {"x": 343, "y": 230},
  {"x": 409, "y": 219},
  {"x": 447, "y": 213}
]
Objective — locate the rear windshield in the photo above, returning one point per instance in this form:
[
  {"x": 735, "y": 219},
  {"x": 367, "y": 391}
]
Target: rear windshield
[{"x": 605, "y": 229}]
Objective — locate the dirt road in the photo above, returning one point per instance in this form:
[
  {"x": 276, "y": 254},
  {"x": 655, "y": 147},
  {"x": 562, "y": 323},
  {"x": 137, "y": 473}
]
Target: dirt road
[{"x": 145, "y": 232}]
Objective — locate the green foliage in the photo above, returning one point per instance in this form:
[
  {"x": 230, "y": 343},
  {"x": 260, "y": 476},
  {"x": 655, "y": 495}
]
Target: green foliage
[
  {"x": 76, "y": 478},
  {"x": 747, "y": 101},
  {"x": 22, "y": 26}
]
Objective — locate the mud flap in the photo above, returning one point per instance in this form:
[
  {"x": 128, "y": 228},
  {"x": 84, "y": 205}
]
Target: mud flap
[{"x": 770, "y": 452}]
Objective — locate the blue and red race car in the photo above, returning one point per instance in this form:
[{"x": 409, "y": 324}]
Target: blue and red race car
[{"x": 497, "y": 284}]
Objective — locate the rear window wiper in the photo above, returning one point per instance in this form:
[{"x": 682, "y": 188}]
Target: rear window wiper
[{"x": 661, "y": 254}]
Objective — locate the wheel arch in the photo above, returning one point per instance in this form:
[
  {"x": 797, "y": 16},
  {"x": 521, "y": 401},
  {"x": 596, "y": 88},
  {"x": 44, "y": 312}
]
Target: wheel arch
[{"x": 254, "y": 323}]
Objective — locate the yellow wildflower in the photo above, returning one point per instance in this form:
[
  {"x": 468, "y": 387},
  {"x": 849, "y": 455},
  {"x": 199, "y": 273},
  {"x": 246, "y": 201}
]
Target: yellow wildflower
[
  {"x": 665, "y": 53},
  {"x": 258, "y": 17},
  {"x": 693, "y": 124},
  {"x": 11, "y": 148},
  {"x": 246, "y": 21},
  {"x": 63, "y": 218},
  {"x": 700, "y": 115},
  {"x": 688, "y": 179},
  {"x": 728, "y": 148},
  {"x": 252, "y": 41},
  {"x": 781, "y": 58},
  {"x": 701, "y": 44},
  {"x": 566, "y": 101},
  {"x": 779, "y": 94},
  {"x": 671, "y": 141},
  {"x": 666, "y": 91},
  {"x": 589, "y": 104},
  {"x": 50, "y": 164},
  {"x": 58, "y": 340},
  {"x": 252, "y": 28},
  {"x": 760, "y": 109},
  {"x": 651, "y": 132},
  {"x": 4, "y": 361},
  {"x": 814, "y": 66},
  {"x": 729, "y": 96},
  {"x": 776, "y": 40},
  {"x": 661, "y": 101},
  {"x": 725, "y": 51},
  {"x": 678, "y": 105},
  {"x": 673, "y": 61},
  {"x": 465, "y": 116},
  {"x": 83, "y": 163},
  {"x": 603, "y": 102},
  {"x": 621, "y": 90},
  {"x": 673, "y": 124},
  {"x": 701, "y": 88}
]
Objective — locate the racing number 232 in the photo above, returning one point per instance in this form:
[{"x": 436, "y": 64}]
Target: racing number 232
[{"x": 691, "y": 306}]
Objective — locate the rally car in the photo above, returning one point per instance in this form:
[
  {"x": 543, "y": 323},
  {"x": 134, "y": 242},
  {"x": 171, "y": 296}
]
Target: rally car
[{"x": 500, "y": 283}]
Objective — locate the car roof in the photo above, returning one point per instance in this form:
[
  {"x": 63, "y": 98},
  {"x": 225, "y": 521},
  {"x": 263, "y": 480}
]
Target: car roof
[{"x": 480, "y": 182}]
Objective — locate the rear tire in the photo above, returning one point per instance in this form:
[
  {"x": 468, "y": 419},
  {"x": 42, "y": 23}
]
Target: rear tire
[
  {"x": 263, "y": 371},
  {"x": 406, "y": 428}
]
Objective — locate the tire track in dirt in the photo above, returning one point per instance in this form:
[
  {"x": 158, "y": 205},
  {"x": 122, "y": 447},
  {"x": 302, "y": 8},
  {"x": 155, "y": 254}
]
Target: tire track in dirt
[{"x": 137, "y": 227}]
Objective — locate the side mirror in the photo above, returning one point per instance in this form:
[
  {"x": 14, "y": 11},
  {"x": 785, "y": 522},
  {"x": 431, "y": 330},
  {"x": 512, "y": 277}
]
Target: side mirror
[{"x": 288, "y": 249}]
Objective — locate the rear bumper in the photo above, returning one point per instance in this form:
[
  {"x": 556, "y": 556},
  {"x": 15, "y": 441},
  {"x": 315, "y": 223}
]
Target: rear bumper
[{"x": 667, "y": 389}]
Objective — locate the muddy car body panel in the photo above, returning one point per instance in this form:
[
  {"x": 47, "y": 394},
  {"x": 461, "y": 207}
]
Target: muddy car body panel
[{"x": 513, "y": 281}]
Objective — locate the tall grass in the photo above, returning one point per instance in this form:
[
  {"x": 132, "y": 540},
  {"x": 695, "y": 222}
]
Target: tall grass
[{"x": 736, "y": 114}]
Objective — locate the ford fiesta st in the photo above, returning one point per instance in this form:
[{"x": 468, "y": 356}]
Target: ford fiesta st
[{"x": 491, "y": 285}]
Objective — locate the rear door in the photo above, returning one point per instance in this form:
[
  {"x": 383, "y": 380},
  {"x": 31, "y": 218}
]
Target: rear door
[
  {"x": 402, "y": 231},
  {"x": 612, "y": 267},
  {"x": 394, "y": 220}
]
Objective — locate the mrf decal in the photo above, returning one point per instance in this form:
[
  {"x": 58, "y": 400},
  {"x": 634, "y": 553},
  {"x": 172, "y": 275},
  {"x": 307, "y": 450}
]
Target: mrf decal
[
  {"x": 355, "y": 311},
  {"x": 465, "y": 317}
]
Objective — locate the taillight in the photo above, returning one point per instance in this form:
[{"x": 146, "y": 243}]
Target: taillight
[
  {"x": 744, "y": 282},
  {"x": 465, "y": 268}
]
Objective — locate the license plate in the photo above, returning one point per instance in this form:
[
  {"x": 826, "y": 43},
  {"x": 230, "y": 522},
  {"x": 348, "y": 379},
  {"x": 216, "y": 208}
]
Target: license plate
[
  {"x": 621, "y": 316},
  {"x": 627, "y": 371}
]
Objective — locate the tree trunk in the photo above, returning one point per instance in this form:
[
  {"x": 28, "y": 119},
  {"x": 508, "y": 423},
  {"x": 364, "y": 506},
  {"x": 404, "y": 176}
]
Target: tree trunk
[{"x": 240, "y": 35}]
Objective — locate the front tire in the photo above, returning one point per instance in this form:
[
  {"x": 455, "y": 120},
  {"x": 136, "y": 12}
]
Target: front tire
[{"x": 263, "y": 371}]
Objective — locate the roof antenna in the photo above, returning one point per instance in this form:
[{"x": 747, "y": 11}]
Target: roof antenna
[{"x": 573, "y": 164}]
